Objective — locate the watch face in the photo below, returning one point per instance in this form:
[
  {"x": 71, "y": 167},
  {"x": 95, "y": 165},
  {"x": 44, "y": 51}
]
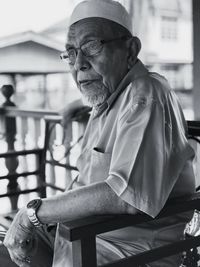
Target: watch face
[
  {"x": 30, "y": 212},
  {"x": 35, "y": 203}
]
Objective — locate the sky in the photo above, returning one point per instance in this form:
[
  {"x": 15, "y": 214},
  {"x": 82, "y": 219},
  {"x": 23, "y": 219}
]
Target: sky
[{"x": 22, "y": 15}]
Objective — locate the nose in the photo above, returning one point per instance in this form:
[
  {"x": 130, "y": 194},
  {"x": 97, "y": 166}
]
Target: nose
[{"x": 81, "y": 62}]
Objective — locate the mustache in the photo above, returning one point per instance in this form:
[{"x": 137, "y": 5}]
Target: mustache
[{"x": 81, "y": 77}]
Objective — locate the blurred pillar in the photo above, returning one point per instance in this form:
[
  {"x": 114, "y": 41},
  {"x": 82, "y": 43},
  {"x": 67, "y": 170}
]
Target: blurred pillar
[
  {"x": 45, "y": 103},
  {"x": 10, "y": 132},
  {"x": 196, "y": 56}
]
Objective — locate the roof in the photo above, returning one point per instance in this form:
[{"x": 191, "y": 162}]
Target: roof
[
  {"x": 30, "y": 52},
  {"x": 30, "y": 36}
]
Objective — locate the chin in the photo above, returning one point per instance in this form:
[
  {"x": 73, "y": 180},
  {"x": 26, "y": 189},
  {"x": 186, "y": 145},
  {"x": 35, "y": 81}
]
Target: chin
[{"x": 94, "y": 100}]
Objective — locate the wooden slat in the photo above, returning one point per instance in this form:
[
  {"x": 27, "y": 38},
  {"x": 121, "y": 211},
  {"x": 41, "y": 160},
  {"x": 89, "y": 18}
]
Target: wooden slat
[
  {"x": 21, "y": 152},
  {"x": 196, "y": 57},
  {"x": 84, "y": 252},
  {"x": 194, "y": 128},
  {"x": 16, "y": 175},
  {"x": 67, "y": 166},
  {"x": 17, "y": 193},
  {"x": 22, "y": 133},
  {"x": 30, "y": 113},
  {"x": 157, "y": 253}
]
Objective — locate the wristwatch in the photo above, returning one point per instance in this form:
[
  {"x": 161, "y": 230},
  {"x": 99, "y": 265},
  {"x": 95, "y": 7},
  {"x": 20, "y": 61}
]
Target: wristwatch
[{"x": 32, "y": 208}]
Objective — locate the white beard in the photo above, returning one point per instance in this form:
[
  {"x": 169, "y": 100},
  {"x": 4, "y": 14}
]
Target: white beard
[{"x": 95, "y": 97}]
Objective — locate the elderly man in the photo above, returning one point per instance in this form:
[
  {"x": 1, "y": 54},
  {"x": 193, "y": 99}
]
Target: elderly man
[{"x": 135, "y": 154}]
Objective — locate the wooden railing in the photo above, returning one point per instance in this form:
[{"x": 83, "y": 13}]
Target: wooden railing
[{"x": 24, "y": 130}]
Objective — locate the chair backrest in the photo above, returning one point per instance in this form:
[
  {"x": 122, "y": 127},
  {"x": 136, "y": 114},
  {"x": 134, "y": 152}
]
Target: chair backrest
[{"x": 194, "y": 139}]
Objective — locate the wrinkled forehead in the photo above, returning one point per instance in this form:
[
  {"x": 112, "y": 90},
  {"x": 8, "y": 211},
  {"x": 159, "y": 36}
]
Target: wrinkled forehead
[{"x": 88, "y": 28}]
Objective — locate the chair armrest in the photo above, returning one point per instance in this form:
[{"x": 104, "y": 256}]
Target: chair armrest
[
  {"x": 193, "y": 128},
  {"x": 91, "y": 226}
]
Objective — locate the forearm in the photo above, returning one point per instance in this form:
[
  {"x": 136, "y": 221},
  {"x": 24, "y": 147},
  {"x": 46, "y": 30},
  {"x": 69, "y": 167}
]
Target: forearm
[{"x": 95, "y": 199}]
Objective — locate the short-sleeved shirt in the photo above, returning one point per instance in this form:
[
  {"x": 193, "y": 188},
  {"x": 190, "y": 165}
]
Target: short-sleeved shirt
[{"x": 137, "y": 143}]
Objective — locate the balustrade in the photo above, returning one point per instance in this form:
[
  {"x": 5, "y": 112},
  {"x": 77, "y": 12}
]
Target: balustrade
[{"x": 24, "y": 129}]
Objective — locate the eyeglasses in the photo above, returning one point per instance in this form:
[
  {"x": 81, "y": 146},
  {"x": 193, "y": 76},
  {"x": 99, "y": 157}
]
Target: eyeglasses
[{"x": 89, "y": 49}]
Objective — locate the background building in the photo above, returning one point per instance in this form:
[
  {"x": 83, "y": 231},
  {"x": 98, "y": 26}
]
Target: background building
[
  {"x": 165, "y": 29},
  {"x": 31, "y": 62}
]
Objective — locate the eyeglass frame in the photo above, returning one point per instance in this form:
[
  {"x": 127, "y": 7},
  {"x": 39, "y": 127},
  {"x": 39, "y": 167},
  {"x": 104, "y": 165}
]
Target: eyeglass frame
[{"x": 102, "y": 42}]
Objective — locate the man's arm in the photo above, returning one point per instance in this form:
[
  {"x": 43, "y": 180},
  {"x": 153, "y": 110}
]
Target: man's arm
[
  {"x": 74, "y": 108},
  {"x": 95, "y": 199}
]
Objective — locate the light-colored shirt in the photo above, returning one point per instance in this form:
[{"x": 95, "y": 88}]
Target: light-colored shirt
[{"x": 136, "y": 142}]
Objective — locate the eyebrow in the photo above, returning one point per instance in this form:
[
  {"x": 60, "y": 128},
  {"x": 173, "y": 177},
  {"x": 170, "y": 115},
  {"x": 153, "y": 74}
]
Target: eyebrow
[
  {"x": 86, "y": 39},
  {"x": 67, "y": 46}
]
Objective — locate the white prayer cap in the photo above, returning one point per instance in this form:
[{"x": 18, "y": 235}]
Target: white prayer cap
[{"x": 107, "y": 9}]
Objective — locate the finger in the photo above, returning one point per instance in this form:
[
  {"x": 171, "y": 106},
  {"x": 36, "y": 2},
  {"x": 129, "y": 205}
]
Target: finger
[{"x": 24, "y": 243}]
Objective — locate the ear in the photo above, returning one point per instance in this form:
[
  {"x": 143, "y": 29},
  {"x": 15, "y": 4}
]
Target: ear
[{"x": 134, "y": 46}]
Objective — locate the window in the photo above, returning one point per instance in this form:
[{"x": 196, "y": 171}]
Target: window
[
  {"x": 169, "y": 28},
  {"x": 171, "y": 72}
]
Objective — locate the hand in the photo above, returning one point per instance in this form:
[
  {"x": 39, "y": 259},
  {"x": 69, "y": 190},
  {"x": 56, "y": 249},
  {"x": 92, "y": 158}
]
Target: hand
[
  {"x": 20, "y": 239},
  {"x": 75, "y": 108}
]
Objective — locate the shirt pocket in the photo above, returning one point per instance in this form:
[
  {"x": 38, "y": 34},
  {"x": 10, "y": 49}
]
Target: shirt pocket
[{"x": 99, "y": 166}]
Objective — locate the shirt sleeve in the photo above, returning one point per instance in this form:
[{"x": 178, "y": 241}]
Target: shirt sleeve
[{"x": 145, "y": 163}]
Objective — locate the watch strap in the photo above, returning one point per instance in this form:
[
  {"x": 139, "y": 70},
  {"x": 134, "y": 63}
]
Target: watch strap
[
  {"x": 32, "y": 208},
  {"x": 34, "y": 220}
]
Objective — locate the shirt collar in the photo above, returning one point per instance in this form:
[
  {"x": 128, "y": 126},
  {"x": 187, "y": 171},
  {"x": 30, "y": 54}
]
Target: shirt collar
[{"x": 136, "y": 71}]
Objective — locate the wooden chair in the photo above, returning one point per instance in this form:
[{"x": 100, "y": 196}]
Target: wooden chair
[{"x": 82, "y": 232}]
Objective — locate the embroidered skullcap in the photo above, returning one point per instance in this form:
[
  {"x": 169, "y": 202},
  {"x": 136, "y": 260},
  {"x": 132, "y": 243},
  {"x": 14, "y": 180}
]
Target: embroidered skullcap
[{"x": 107, "y": 9}]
